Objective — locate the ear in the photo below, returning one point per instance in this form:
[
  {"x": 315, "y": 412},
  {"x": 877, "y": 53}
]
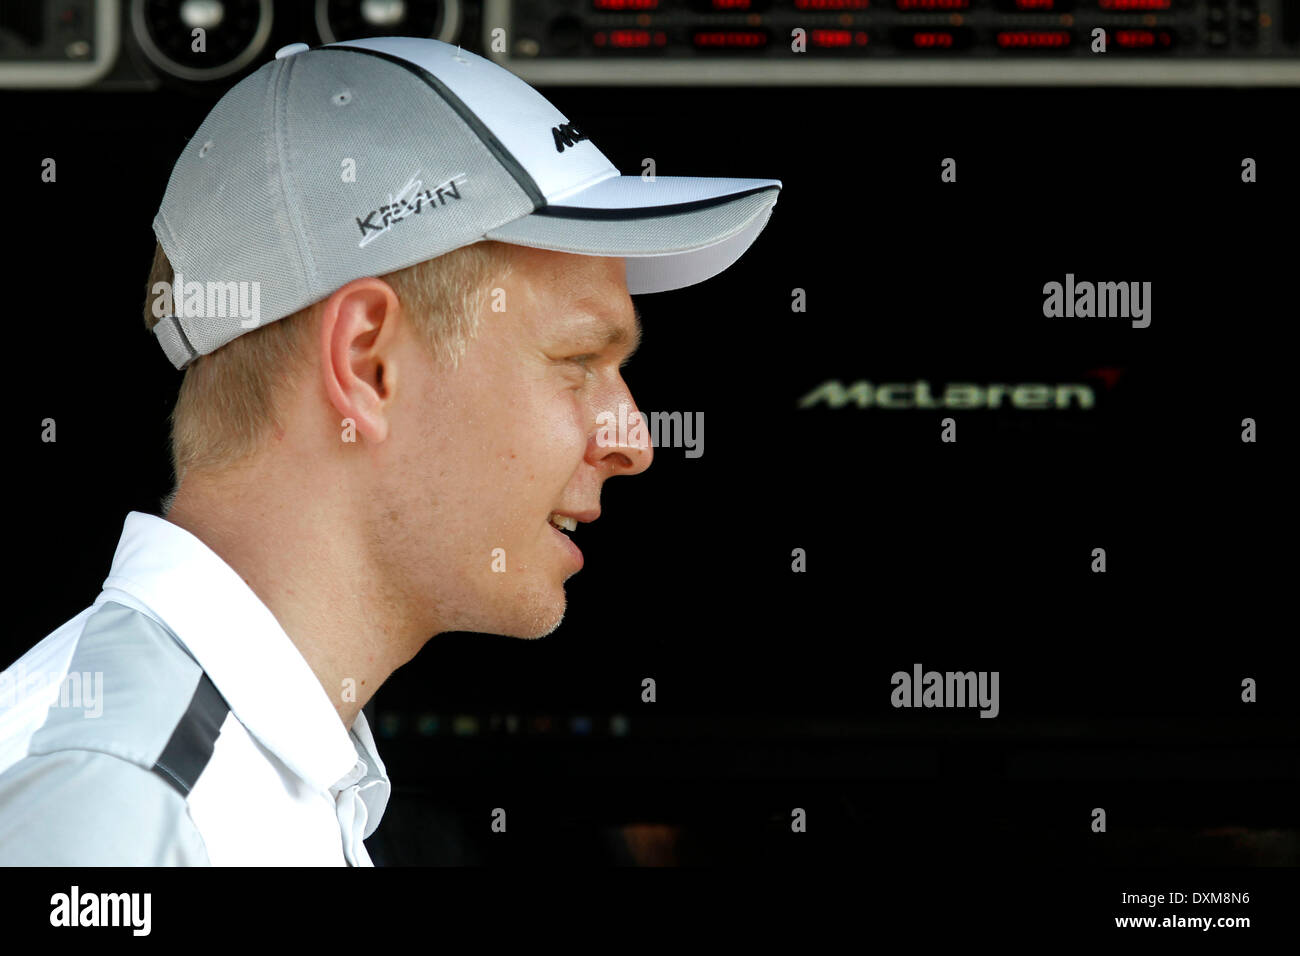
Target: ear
[{"x": 358, "y": 338}]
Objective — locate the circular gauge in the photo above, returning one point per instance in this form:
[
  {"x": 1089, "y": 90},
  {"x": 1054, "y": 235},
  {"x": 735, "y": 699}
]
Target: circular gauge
[
  {"x": 354, "y": 19},
  {"x": 234, "y": 33}
]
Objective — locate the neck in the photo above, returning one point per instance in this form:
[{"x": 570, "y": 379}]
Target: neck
[{"x": 313, "y": 569}]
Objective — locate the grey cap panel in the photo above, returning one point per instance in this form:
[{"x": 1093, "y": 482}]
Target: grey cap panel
[
  {"x": 222, "y": 217},
  {"x": 425, "y": 184},
  {"x": 82, "y": 808}
]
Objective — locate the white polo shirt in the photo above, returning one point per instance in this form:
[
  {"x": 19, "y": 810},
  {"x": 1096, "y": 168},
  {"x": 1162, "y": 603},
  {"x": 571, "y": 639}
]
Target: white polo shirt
[{"x": 173, "y": 722}]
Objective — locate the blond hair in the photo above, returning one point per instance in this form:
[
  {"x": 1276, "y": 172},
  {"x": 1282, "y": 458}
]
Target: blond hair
[{"x": 230, "y": 399}]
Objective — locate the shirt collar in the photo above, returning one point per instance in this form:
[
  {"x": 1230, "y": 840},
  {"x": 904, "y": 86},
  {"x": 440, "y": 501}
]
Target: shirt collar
[{"x": 248, "y": 657}]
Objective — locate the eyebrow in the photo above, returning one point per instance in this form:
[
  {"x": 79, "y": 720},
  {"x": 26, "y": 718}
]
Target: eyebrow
[{"x": 616, "y": 333}]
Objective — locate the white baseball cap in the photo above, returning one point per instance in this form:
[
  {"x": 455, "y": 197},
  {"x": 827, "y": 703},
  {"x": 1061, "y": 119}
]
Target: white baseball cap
[{"x": 366, "y": 156}]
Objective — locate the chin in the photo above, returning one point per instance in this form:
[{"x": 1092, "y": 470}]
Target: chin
[
  {"x": 539, "y": 628},
  {"x": 537, "y": 615},
  {"x": 547, "y": 630}
]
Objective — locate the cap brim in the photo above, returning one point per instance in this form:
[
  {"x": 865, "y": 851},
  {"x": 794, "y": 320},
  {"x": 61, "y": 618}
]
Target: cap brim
[{"x": 674, "y": 231}]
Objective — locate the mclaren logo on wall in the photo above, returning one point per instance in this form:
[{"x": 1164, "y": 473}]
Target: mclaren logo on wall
[{"x": 920, "y": 395}]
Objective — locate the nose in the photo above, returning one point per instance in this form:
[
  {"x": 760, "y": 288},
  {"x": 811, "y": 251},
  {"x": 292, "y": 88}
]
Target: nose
[{"x": 622, "y": 443}]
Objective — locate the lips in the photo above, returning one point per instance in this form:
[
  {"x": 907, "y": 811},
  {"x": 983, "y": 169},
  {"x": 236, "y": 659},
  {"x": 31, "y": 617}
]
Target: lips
[
  {"x": 567, "y": 543},
  {"x": 567, "y": 521}
]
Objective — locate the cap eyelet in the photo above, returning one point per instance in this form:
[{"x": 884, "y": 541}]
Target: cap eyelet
[
  {"x": 205, "y": 149},
  {"x": 343, "y": 98}
]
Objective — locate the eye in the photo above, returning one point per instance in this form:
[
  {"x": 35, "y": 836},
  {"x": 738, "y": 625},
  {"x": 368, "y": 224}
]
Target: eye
[{"x": 575, "y": 369}]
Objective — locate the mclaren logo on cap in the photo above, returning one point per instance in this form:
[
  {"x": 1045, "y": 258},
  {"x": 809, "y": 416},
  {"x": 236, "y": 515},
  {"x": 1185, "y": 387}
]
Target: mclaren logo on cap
[
  {"x": 408, "y": 201},
  {"x": 566, "y": 134}
]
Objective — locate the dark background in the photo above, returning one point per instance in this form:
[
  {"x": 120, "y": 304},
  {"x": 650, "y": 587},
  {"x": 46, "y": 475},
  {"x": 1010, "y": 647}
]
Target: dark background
[{"x": 1118, "y": 690}]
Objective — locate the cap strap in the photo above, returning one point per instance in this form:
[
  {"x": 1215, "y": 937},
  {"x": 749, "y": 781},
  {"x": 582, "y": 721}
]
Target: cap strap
[{"x": 174, "y": 341}]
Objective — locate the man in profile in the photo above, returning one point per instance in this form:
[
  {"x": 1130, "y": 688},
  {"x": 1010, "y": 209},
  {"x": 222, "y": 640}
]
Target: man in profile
[{"x": 390, "y": 430}]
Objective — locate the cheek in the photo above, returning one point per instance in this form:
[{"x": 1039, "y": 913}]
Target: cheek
[
  {"x": 511, "y": 456},
  {"x": 579, "y": 422},
  {"x": 555, "y": 433}
]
